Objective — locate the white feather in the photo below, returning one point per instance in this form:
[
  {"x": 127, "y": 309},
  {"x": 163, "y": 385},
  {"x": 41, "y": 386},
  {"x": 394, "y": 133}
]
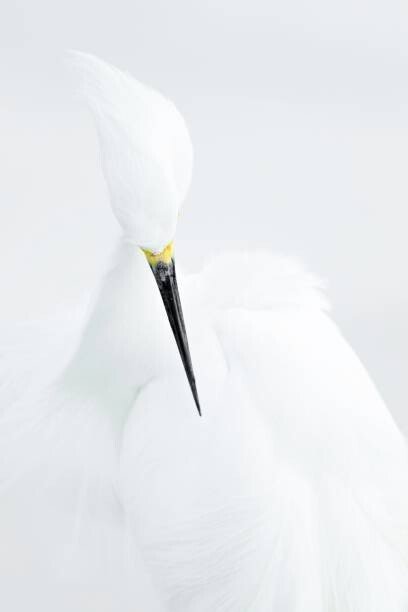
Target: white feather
[
  {"x": 147, "y": 155},
  {"x": 289, "y": 495}
]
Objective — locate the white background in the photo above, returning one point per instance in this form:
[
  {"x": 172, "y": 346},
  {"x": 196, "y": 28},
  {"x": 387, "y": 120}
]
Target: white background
[{"x": 299, "y": 118}]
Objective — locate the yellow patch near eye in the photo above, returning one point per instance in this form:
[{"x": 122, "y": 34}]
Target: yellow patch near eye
[{"x": 164, "y": 257}]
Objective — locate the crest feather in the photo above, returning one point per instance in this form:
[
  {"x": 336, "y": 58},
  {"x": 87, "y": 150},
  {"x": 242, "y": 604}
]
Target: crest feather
[{"x": 147, "y": 155}]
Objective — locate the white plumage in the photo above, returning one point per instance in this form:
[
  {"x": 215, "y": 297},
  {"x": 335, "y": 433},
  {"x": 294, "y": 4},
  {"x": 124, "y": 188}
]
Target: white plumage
[
  {"x": 289, "y": 495},
  {"x": 147, "y": 156}
]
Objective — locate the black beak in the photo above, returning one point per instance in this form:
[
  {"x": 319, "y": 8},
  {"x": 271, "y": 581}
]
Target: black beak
[{"x": 165, "y": 275}]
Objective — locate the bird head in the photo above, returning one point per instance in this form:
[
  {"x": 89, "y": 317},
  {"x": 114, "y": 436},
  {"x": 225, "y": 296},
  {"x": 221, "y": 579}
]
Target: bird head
[{"x": 147, "y": 160}]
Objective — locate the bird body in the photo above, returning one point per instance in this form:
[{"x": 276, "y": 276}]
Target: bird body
[{"x": 288, "y": 495}]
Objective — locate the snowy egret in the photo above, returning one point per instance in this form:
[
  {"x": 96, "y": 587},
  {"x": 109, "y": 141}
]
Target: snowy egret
[{"x": 289, "y": 495}]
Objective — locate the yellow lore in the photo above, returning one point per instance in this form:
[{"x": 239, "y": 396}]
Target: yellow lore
[{"x": 164, "y": 257}]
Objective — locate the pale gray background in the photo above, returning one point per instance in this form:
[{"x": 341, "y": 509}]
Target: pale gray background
[{"x": 298, "y": 112}]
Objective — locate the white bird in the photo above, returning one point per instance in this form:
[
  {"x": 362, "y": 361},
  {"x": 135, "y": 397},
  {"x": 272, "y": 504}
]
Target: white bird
[{"x": 290, "y": 494}]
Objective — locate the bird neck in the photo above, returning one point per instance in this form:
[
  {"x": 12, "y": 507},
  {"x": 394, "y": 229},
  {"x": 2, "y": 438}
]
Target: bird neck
[{"x": 126, "y": 340}]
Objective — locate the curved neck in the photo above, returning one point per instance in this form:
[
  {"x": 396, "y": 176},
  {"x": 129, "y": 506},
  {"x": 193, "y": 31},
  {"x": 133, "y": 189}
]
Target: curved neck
[{"x": 127, "y": 339}]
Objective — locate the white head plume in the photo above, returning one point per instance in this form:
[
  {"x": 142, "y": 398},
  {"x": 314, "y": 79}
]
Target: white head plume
[{"x": 147, "y": 155}]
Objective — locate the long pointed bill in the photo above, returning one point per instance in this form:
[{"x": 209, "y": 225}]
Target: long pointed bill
[{"x": 164, "y": 271}]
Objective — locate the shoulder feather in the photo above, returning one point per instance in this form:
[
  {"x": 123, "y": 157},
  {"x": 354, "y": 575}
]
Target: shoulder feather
[{"x": 259, "y": 281}]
